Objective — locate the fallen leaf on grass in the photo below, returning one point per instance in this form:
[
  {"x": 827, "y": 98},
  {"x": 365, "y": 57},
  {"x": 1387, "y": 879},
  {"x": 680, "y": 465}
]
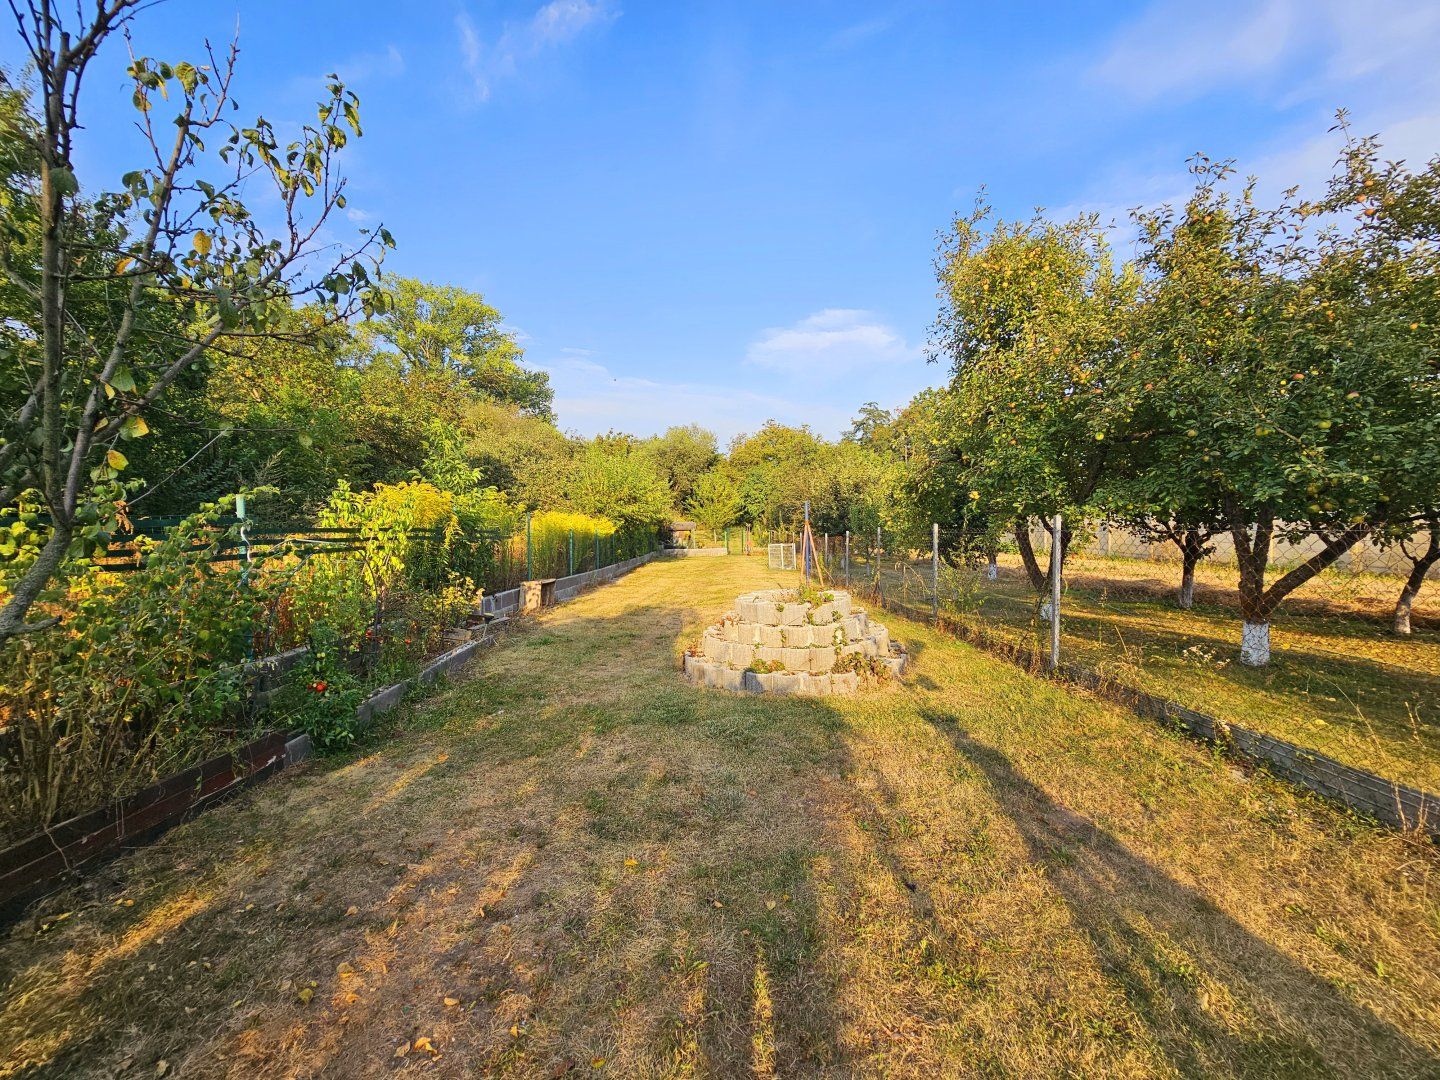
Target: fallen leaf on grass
[
  {"x": 769, "y": 905},
  {"x": 423, "y": 1043},
  {"x": 402, "y": 1050},
  {"x": 305, "y": 996},
  {"x": 352, "y": 910},
  {"x": 632, "y": 862},
  {"x": 450, "y": 1002}
]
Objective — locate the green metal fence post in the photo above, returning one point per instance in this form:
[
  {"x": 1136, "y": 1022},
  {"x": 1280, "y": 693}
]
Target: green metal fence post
[
  {"x": 597, "y": 551},
  {"x": 529, "y": 560},
  {"x": 572, "y": 551}
]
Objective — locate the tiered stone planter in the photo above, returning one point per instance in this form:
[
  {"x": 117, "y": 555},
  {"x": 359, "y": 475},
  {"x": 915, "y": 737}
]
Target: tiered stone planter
[{"x": 802, "y": 641}]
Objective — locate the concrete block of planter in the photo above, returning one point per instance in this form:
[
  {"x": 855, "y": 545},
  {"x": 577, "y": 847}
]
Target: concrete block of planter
[
  {"x": 298, "y": 749},
  {"x": 770, "y": 627},
  {"x": 382, "y": 701}
]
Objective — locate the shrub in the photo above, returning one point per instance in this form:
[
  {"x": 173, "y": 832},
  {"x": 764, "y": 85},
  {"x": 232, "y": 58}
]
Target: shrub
[{"x": 143, "y": 674}]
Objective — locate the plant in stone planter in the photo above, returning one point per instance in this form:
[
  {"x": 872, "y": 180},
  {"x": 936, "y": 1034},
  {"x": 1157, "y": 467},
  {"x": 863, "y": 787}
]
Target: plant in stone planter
[
  {"x": 871, "y": 669},
  {"x": 321, "y": 695}
]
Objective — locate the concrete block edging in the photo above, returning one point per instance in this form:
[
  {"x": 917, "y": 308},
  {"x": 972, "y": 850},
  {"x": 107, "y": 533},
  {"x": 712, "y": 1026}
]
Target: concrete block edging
[{"x": 1389, "y": 802}]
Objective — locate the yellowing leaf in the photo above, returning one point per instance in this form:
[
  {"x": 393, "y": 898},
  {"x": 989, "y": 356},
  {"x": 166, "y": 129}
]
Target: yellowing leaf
[
  {"x": 123, "y": 264},
  {"x": 769, "y": 905},
  {"x": 632, "y": 862},
  {"x": 423, "y": 1043},
  {"x": 134, "y": 427},
  {"x": 115, "y": 459},
  {"x": 305, "y": 996},
  {"x": 450, "y": 1003},
  {"x": 596, "y": 1063},
  {"x": 402, "y": 1050},
  {"x": 202, "y": 242}
]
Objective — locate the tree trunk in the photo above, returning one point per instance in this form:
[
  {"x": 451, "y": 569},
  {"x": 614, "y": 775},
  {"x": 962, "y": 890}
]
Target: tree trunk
[
  {"x": 32, "y": 583},
  {"x": 1413, "y": 583},
  {"x": 1192, "y": 550},
  {"x": 1252, "y": 555},
  {"x": 1257, "y": 603},
  {"x": 1186, "y": 596},
  {"x": 992, "y": 566},
  {"x": 1037, "y": 576}
]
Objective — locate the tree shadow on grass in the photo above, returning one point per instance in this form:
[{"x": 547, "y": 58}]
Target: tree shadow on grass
[{"x": 1177, "y": 957}]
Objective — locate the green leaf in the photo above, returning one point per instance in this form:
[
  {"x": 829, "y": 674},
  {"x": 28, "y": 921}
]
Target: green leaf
[
  {"x": 63, "y": 181},
  {"x": 123, "y": 381}
]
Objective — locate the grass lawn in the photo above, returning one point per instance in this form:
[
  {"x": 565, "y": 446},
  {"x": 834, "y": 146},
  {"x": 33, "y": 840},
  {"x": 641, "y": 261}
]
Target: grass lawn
[
  {"x": 1340, "y": 684},
  {"x": 571, "y": 863}
]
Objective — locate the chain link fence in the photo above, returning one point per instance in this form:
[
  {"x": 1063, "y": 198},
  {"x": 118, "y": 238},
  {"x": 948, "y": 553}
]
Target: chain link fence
[{"x": 1163, "y": 613}]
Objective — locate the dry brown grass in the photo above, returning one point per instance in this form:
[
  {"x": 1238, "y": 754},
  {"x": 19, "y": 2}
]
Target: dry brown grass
[
  {"x": 1344, "y": 686},
  {"x": 575, "y": 864}
]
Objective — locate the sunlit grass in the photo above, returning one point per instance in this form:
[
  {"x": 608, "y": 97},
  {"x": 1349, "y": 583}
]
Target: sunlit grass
[
  {"x": 1342, "y": 685},
  {"x": 574, "y": 863}
]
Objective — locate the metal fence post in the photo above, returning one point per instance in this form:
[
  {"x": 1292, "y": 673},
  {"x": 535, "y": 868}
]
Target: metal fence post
[
  {"x": 597, "y": 551},
  {"x": 570, "y": 547},
  {"x": 529, "y": 560},
  {"x": 1055, "y": 563},
  {"x": 847, "y": 557},
  {"x": 935, "y": 571}
]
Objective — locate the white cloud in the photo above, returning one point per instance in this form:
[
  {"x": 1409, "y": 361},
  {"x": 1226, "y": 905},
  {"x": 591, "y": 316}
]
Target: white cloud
[
  {"x": 1300, "y": 59},
  {"x": 591, "y": 399},
  {"x": 553, "y": 24},
  {"x": 364, "y": 66},
  {"x": 1179, "y": 49},
  {"x": 858, "y": 33},
  {"x": 355, "y": 70},
  {"x": 829, "y": 342}
]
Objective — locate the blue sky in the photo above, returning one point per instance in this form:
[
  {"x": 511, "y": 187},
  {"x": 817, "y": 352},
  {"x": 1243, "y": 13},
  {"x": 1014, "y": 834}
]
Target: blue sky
[{"x": 726, "y": 212}]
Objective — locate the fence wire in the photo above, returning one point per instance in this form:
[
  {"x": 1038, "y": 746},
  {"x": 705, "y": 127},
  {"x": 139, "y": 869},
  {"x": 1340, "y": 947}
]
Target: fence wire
[{"x": 1134, "y": 609}]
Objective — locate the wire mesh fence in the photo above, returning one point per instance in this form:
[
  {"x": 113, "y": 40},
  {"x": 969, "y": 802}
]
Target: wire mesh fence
[{"x": 1168, "y": 614}]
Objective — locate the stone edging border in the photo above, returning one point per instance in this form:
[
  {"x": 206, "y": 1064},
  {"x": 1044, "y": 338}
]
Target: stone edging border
[{"x": 1394, "y": 804}]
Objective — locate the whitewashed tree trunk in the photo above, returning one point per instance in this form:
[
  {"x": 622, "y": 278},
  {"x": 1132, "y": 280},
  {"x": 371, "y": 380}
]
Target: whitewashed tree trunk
[
  {"x": 1187, "y": 588},
  {"x": 1045, "y": 611},
  {"x": 1255, "y": 644},
  {"x": 992, "y": 571}
]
